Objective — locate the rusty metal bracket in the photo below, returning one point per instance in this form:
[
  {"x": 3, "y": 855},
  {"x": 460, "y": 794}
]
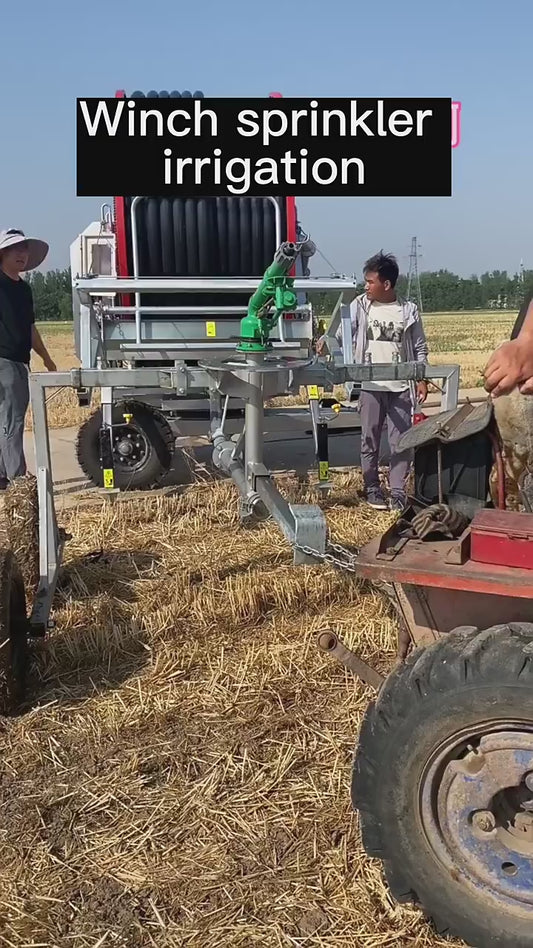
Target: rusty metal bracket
[{"x": 330, "y": 643}]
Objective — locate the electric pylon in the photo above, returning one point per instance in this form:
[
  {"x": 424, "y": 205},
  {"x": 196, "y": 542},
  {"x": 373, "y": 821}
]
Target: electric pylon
[{"x": 414, "y": 277}]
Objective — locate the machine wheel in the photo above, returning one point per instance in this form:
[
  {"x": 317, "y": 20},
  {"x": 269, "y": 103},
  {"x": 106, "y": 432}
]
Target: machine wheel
[
  {"x": 143, "y": 447},
  {"x": 13, "y": 635},
  {"x": 443, "y": 783}
]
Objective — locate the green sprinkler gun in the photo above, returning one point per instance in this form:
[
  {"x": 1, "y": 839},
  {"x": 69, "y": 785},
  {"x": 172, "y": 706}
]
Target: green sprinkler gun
[{"x": 276, "y": 288}]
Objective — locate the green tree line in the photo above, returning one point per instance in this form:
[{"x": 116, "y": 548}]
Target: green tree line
[
  {"x": 52, "y": 294},
  {"x": 441, "y": 290}
]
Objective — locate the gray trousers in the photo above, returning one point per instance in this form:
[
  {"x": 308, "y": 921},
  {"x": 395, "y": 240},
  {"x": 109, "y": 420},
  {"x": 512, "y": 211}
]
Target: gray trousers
[
  {"x": 14, "y": 401},
  {"x": 375, "y": 408}
]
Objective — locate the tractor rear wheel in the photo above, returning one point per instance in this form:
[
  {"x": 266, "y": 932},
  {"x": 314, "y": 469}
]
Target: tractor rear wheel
[
  {"x": 13, "y": 635},
  {"x": 443, "y": 784},
  {"x": 143, "y": 446}
]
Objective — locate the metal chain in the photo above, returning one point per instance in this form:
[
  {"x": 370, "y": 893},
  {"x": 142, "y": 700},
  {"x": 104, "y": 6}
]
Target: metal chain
[{"x": 351, "y": 557}]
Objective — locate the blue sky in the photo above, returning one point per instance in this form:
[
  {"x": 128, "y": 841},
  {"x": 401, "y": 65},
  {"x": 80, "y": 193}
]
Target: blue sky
[{"x": 476, "y": 51}]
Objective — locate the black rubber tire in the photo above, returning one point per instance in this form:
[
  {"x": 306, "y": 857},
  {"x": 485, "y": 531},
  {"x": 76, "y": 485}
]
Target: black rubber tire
[
  {"x": 14, "y": 627},
  {"x": 155, "y": 429},
  {"x": 464, "y": 679}
]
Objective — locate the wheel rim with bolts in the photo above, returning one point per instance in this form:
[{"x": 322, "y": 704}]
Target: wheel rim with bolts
[
  {"x": 475, "y": 805},
  {"x": 130, "y": 447}
]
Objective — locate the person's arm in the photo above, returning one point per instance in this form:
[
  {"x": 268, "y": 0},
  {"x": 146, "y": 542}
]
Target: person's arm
[
  {"x": 420, "y": 347},
  {"x": 39, "y": 347},
  {"x": 511, "y": 365}
]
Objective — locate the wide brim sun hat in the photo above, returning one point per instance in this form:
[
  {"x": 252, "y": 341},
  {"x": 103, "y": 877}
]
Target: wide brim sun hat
[{"x": 37, "y": 249}]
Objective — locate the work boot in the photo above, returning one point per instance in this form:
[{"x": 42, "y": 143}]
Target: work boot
[{"x": 376, "y": 498}]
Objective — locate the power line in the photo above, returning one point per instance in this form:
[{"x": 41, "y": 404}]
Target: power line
[{"x": 329, "y": 263}]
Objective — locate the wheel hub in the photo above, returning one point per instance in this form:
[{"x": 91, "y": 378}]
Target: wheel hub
[
  {"x": 476, "y": 807},
  {"x": 129, "y": 446}
]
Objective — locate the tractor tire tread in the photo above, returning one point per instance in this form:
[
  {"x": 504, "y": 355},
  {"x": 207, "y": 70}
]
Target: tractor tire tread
[{"x": 458, "y": 661}]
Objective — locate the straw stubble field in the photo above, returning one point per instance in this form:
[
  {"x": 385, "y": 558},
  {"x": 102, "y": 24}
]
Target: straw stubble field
[{"x": 181, "y": 774}]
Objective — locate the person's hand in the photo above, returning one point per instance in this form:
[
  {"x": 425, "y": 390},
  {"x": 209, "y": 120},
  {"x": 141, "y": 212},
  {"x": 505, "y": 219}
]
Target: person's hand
[
  {"x": 320, "y": 345},
  {"x": 421, "y": 391},
  {"x": 509, "y": 366},
  {"x": 49, "y": 364}
]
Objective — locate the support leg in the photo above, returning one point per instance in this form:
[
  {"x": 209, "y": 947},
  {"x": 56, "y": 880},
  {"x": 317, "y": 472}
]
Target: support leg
[
  {"x": 320, "y": 435},
  {"x": 106, "y": 440},
  {"x": 254, "y": 415},
  {"x": 50, "y": 542},
  {"x": 323, "y": 455}
]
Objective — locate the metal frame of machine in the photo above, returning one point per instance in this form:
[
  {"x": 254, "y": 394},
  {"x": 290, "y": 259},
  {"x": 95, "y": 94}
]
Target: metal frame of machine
[
  {"x": 255, "y": 374},
  {"x": 111, "y": 336},
  {"x": 242, "y": 459}
]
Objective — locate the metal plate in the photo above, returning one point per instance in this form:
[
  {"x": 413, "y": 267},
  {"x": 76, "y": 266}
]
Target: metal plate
[
  {"x": 269, "y": 365},
  {"x": 448, "y": 426}
]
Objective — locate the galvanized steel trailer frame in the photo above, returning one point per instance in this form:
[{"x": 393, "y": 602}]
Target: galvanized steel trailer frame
[
  {"x": 304, "y": 526},
  {"x": 105, "y": 337}
]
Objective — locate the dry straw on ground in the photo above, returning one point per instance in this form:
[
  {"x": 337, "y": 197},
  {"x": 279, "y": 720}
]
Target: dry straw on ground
[
  {"x": 21, "y": 513},
  {"x": 184, "y": 780}
]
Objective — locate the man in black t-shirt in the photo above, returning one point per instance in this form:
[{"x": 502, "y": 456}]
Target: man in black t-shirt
[{"x": 18, "y": 337}]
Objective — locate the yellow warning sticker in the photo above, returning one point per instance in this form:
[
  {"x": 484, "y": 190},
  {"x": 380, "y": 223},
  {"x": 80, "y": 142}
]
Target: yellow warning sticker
[
  {"x": 211, "y": 329},
  {"x": 312, "y": 391},
  {"x": 323, "y": 470},
  {"x": 109, "y": 479}
]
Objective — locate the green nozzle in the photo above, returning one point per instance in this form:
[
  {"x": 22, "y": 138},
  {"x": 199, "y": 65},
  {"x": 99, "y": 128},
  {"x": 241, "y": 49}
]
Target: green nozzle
[{"x": 275, "y": 287}]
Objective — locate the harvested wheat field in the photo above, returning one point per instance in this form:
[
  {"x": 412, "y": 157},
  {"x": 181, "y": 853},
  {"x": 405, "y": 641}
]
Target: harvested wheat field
[{"x": 181, "y": 774}]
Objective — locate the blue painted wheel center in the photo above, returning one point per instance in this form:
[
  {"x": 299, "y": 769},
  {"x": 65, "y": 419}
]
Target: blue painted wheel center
[{"x": 476, "y": 809}]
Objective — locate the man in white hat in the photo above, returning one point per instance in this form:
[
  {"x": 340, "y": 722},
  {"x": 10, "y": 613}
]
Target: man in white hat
[{"x": 18, "y": 337}]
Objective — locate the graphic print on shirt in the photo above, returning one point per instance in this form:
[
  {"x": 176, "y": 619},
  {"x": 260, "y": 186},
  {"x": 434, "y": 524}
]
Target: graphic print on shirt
[{"x": 385, "y": 331}]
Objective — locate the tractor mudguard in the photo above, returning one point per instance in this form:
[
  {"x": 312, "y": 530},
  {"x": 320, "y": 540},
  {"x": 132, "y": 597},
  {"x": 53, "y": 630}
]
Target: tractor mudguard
[
  {"x": 462, "y": 422},
  {"x": 453, "y": 457}
]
